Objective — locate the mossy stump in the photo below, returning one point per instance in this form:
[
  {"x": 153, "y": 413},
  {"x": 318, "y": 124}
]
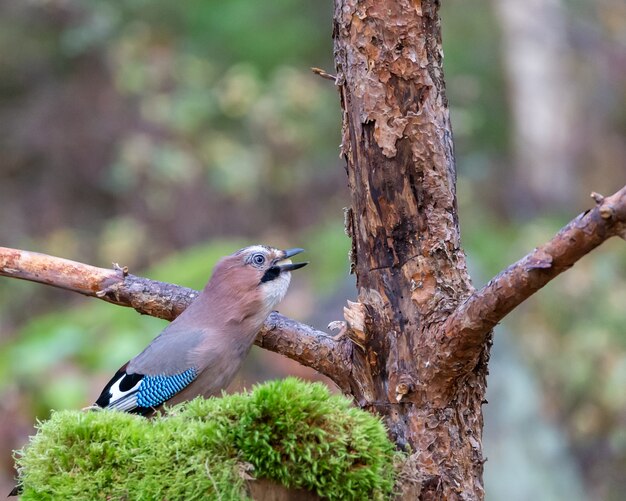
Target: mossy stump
[{"x": 289, "y": 432}]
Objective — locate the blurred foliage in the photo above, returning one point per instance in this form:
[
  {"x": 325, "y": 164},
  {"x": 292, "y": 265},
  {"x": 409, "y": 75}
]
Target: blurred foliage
[
  {"x": 163, "y": 135},
  {"x": 476, "y": 86}
]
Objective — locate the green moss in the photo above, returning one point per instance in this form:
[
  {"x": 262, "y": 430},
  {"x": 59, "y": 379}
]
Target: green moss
[{"x": 289, "y": 431}]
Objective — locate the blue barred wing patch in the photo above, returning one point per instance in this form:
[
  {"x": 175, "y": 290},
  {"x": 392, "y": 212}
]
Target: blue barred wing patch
[
  {"x": 139, "y": 394},
  {"x": 154, "y": 390}
]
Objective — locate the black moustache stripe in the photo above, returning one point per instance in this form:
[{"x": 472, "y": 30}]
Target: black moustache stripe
[{"x": 271, "y": 274}]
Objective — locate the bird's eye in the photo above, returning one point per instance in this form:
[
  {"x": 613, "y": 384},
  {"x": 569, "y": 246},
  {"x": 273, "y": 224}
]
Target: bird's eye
[{"x": 258, "y": 259}]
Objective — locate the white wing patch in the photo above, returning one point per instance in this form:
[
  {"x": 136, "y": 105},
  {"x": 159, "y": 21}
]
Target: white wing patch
[{"x": 123, "y": 400}]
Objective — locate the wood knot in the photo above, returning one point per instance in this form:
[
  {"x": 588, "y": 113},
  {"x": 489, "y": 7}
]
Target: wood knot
[
  {"x": 355, "y": 315},
  {"x": 606, "y": 212},
  {"x": 404, "y": 387},
  {"x": 353, "y": 327}
]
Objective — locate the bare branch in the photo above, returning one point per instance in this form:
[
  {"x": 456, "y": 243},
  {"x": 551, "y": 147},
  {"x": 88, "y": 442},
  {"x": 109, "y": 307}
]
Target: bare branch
[
  {"x": 310, "y": 347},
  {"x": 280, "y": 334},
  {"x": 464, "y": 333},
  {"x": 324, "y": 74},
  {"x": 148, "y": 297}
]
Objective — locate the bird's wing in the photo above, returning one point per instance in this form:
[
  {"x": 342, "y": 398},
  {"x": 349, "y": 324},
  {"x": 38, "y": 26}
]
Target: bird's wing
[
  {"x": 154, "y": 376},
  {"x": 171, "y": 352},
  {"x": 139, "y": 393}
]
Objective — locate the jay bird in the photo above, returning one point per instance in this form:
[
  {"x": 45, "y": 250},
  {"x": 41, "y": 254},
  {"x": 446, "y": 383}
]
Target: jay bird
[{"x": 202, "y": 349}]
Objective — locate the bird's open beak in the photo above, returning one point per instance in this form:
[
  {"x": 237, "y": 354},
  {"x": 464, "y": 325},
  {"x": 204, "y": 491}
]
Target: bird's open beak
[{"x": 291, "y": 266}]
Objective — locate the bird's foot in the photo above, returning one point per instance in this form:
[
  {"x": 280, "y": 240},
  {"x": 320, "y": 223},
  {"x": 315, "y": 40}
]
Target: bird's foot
[
  {"x": 354, "y": 325},
  {"x": 340, "y": 326},
  {"x": 93, "y": 407}
]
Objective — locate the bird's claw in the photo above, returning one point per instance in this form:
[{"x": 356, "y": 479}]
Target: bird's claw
[
  {"x": 353, "y": 326},
  {"x": 338, "y": 325}
]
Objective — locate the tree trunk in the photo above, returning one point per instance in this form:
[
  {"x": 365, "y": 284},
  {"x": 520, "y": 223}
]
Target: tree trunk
[{"x": 411, "y": 272}]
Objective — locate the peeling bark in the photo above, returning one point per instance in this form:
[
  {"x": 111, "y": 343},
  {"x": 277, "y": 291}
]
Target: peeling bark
[{"x": 411, "y": 272}]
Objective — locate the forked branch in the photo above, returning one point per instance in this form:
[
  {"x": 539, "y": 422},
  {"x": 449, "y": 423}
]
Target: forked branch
[
  {"x": 463, "y": 334},
  {"x": 280, "y": 334}
]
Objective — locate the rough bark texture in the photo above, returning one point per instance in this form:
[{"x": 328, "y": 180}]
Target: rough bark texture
[{"x": 411, "y": 272}]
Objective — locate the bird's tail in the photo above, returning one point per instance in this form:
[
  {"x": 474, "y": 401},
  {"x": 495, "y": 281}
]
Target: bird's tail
[{"x": 16, "y": 491}]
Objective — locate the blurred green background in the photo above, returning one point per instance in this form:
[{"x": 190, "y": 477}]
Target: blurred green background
[{"x": 162, "y": 135}]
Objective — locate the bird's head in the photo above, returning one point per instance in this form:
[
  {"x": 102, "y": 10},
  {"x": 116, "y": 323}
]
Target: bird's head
[{"x": 259, "y": 269}]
